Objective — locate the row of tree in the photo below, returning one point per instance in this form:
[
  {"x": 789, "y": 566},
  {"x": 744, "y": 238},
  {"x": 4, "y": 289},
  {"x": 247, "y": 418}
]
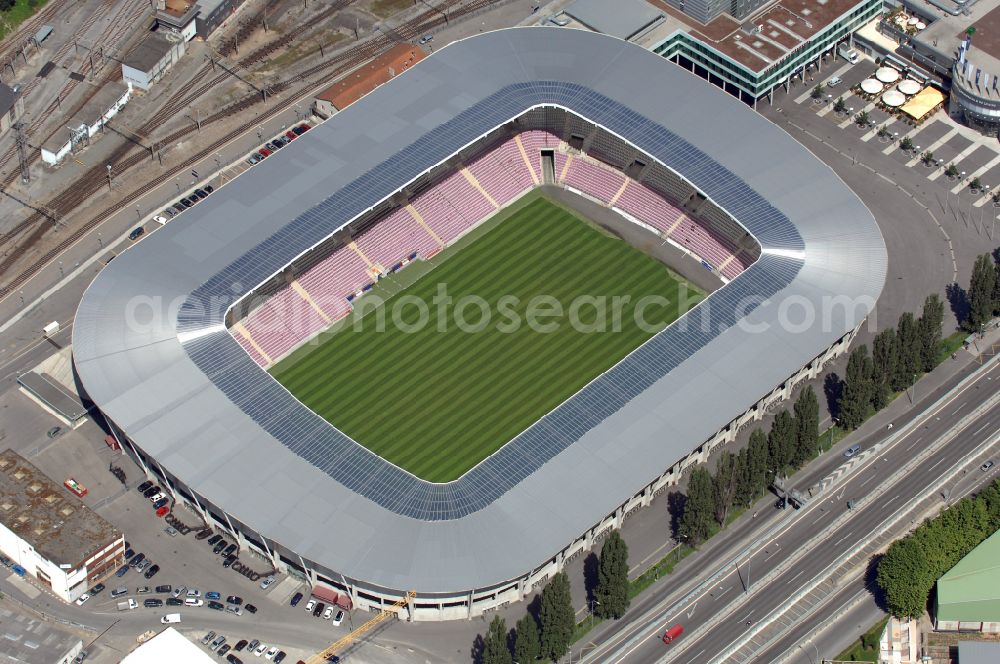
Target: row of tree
[
  {"x": 741, "y": 478},
  {"x": 984, "y": 293},
  {"x": 910, "y": 568},
  {"x": 898, "y": 357},
  {"x": 550, "y": 634}
]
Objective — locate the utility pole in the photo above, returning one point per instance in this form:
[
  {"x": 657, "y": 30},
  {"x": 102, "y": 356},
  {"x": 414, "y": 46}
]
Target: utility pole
[
  {"x": 22, "y": 151},
  {"x": 109, "y": 177}
]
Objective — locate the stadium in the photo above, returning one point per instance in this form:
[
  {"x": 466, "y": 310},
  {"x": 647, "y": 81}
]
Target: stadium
[{"x": 468, "y": 468}]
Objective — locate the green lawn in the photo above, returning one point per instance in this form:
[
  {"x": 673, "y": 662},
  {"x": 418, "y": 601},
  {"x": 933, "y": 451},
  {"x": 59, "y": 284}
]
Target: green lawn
[
  {"x": 436, "y": 401},
  {"x": 20, "y": 12}
]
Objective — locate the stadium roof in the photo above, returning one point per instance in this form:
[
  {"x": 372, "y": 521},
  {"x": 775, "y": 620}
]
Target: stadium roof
[
  {"x": 970, "y": 591},
  {"x": 152, "y": 350}
]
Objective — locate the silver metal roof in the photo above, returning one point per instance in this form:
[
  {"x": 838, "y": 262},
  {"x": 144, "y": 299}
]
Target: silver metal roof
[
  {"x": 152, "y": 352},
  {"x": 620, "y": 19}
]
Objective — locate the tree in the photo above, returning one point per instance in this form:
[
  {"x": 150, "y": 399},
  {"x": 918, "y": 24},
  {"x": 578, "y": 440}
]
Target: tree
[
  {"x": 929, "y": 331},
  {"x": 806, "y": 426},
  {"x": 951, "y": 171},
  {"x": 855, "y": 399},
  {"x": 757, "y": 468},
  {"x": 908, "y": 363},
  {"x": 725, "y": 483},
  {"x": 927, "y": 157},
  {"x": 863, "y": 119},
  {"x": 495, "y": 650},
  {"x": 557, "y": 617},
  {"x": 611, "y": 592},
  {"x": 976, "y": 184},
  {"x": 904, "y": 576},
  {"x": 781, "y": 441},
  {"x": 839, "y": 106},
  {"x": 527, "y": 647},
  {"x": 817, "y": 92},
  {"x": 906, "y": 144},
  {"x": 884, "y": 358},
  {"x": 696, "y": 519},
  {"x": 981, "y": 293}
]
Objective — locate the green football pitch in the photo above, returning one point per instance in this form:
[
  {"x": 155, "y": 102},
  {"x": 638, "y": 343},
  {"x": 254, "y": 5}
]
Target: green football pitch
[{"x": 437, "y": 398}]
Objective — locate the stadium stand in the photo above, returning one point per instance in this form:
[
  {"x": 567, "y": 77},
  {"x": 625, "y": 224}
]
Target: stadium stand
[{"x": 452, "y": 205}]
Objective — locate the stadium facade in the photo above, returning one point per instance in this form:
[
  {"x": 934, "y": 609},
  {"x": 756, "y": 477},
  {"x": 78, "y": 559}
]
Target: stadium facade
[{"x": 153, "y": 352}]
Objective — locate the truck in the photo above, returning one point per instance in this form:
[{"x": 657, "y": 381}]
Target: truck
[
  {"x": 128, "y": 605},
  {"x": 845, "y": 51},
  {"x": 672, "y": 633},
  {"x": 171, "y": 618}
]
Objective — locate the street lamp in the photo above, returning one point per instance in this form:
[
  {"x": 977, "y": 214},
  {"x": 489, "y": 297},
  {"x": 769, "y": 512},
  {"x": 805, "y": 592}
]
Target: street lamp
[{"x": 593, "y": 603}]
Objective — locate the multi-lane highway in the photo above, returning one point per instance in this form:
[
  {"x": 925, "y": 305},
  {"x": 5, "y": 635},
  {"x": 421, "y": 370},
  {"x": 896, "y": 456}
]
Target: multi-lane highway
[{"x": 791, "y": 575}]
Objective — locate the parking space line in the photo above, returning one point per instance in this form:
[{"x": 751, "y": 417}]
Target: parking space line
[
  {"x": 957, "y": 160},
  {"x": 933, "y": 146},
  {"x": 910, "y": 134},
  {"x": 866, "y": 109}
]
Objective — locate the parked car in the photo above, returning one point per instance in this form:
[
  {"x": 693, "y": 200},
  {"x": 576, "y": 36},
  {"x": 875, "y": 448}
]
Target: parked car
[
  {"x": 128, "y": 554},
  {"x": 203, "y": 533},
  {"x": 186, "y": 203},
  {"x": 235, "y": 610},
  {"x": 291, "y": 135},
  {"x": 194, "y": 601},
  {"x": 240, "y": 645},
  {"x": 229, "y": 550},
  {"x": 298, "y": 131},
  {"x": 169, "y": 212},
  {"x": 179, "y": 590},
  {"x": 96, "y": 590},
  {"x": 151, "y": 491},
  {"x": 208, "y": 637},
  {"x": 986, "y": 466},
  {"x": 252, "y": 645},
  {"x": 266, "y": 583},
  {"x": 259, "y": 650},
  {"x": 157, "y": 496},
  {"x": 160, "y": 503},
  {"x": 228, "y": 561},
  {"x": 219, "y": 547},
  {"x": 214, "y": 539},
  {"x": 216, "y": 606},
  {"x": 233, "y": 659},
  {"x": 834, "y": 82},
  {"x": 212, "y": 595},
  {"x": 142, "y": 487},
  {"x": 217, "y": 643},
  {"x": 328, "y": 613},
  {"x": 223, "y": 650},
  {"x": 152, "y": 603},
  {"x": 82, "y": 599},
  {"x": 179, "y": 207},
  {"x": 122, "y": 571},
  {"x": 136, "y": 233},
  {"x": 119, "y": 591},
  {"x": 264, "y": 153},
  {"x": 280, "y": 657},
  {"x": 250, "y": 608},
  {"x": 296, "y": 598},
  {"x": 271, "y": 145},
  {"x": 139, "y": 557},
  {"x": 141, "y": 566},
  {"x": 143, "y": 590},
  {"x": 271, "y": 652},
  {"x": 194, "y": 199},
  {"x": 151, "y": 572},
  {"x": 310, "y": 604},
  {"x": 339, "y": 618},
  {"x": 253, "y": 159},
  {"x": 161, "y": 220},
  {"x": 318, "y": 609},
  {"x": 851, "y": 451},
  {"x": 175, "y": 601},
  {"x": 163, "y": 589},
  {"x": 193, "y": 592},
  {"x": 208, "y": 188},
  {"x": 199, "y": 193}
]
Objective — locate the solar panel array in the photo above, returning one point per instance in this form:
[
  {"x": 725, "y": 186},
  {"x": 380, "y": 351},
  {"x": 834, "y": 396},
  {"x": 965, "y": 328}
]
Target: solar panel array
[{"x": 303, "y": 432}]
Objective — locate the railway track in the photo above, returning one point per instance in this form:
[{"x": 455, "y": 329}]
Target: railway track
[{"x": 95, "y": 178}]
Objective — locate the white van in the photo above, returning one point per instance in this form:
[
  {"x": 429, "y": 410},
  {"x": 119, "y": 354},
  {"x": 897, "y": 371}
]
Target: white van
[{"x": 171, "y": 618}]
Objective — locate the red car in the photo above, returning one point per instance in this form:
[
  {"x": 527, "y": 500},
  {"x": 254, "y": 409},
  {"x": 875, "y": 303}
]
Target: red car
[
  {"x": 291, "y": 135},
  {"x": 672, "y": 633},
  {"x": 264, "y": 153}
]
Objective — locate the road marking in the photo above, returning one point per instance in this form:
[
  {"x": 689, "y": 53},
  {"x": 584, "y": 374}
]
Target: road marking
[
  {"x": 728, "y": 588},
  {"x": 914, "y": 443},
  {"x": 936, "y": 463},
  {"x": 868, "y": 480},
  {"x": 697, "y": 654},
  {"x": 801, "y": 572},
  {"x": 843, "y": 538},
  {"x": 691, "y": 612},
  {"x": 773, "y": 552},
  {"x": 981, "y": 428}
]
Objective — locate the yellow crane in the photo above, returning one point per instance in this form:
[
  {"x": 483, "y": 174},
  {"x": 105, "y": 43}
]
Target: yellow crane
[{"x": 379, "y": 618}]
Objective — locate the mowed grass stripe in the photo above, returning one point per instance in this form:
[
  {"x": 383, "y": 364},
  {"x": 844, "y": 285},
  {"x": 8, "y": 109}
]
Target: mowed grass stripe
[{"x": 437, "y": 403}]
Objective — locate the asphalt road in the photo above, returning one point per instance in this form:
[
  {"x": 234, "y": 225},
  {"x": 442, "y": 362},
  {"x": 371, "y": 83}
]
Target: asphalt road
[{"x": 802, "y": 545}]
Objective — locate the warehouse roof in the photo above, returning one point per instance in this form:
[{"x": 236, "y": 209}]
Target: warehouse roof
[
  {"x": 187, "y": 394},
  {"x": 363, "y": 80},
  {"x": 970, "y": 591},
  {"x": 148, "y": 52},
  {"x": 43, "y": 513}
]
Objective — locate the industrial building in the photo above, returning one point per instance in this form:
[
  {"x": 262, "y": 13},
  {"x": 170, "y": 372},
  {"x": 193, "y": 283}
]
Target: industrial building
[
  {"x": 188, "y": 19},
  {"x": 11, "y": 107},
  {"x": 968, "y": 595},
  {"x": 51, "y": 534},
  {"x": 149, "y": 61},
  {"x": 91, "y": 119},
  {"x": 200, "y": 415},
  {"x": 26, "y": 638},
  {"x": 363, "y": 80}
]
